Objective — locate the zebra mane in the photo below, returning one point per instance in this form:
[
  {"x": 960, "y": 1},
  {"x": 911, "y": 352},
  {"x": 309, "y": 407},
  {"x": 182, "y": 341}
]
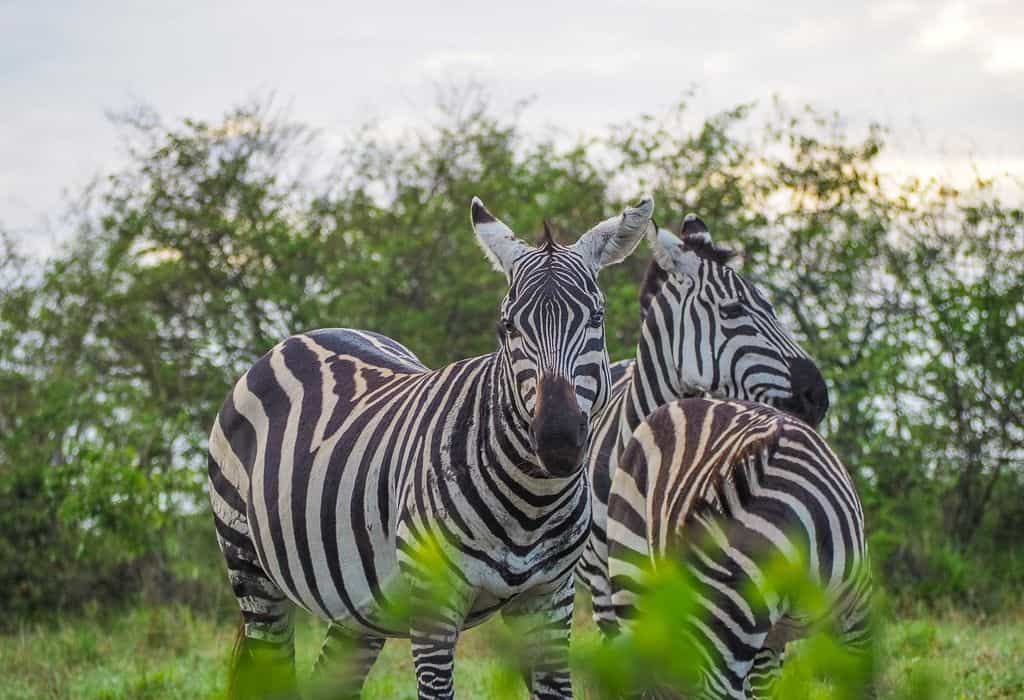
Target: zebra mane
[
  {"x": 547, "y": 239},
  {"x": 652, "y": 283}
]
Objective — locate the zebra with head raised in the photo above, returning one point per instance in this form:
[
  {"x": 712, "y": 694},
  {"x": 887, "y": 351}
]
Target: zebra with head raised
[
  {"x": 705, "y": 331},
  {"x": 732, "y": 491},
  {"x": 338, "y": 457}
]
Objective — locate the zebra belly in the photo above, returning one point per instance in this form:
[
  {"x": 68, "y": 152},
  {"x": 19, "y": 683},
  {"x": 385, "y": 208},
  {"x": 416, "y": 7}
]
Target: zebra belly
[{"x": 344, "y": 567}]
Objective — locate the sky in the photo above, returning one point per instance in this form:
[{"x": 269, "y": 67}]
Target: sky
[{"x": 946, "y": 77}]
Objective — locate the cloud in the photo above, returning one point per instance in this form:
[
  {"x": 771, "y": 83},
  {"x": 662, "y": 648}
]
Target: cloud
[
  {"x": 439, "y": 65},
  {"x": 719, "y": 63},
  {"x": 951, "y": 68},
  {"x": 889, "y": 11},
  {"x": 815, "y": 33},
  {"x": 955, "y": 26},
  {"x": 1006, "y": 55},
  {"x": 604, "y": 60},
  {"x": 983, "y": 30}
]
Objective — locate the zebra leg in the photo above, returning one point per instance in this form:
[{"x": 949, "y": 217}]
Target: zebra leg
[
  {"x": 544, "y": 623},
  {"x": 762, "y": 675},
  {"x": 767, "y": 665},
  {"x": 344, "y": 662},
  {"x": 439, "y": 605},
  {"x": 593, "y": 569},
  {"x": 263, "y": 662},
  {"x": 858, "y": 640},
  {"x": 439, "y": 597},
  {"x": 433, "y": 653}
]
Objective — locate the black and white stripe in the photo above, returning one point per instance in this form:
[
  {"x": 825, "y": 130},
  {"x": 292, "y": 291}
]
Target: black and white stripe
[
  {"x": 338, "y": 457},
  {"x": 729, "y": 489},
  {"x": 705, "y": 331}
]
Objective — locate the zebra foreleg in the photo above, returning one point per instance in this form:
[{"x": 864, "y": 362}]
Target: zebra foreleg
[
  {"x": 592, "y": 567},
  {"x": 437, "y": 617},
  {"x": 762, "y": 675},
  {"x": 343, "y": 663},
  {"x": 433, "y": 653},
  {"x": 544, "y": 622}
]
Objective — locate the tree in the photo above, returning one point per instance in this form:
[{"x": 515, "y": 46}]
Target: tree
[{"x": 216, "y": 241}]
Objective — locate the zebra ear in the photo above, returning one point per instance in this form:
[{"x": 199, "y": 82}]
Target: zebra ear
[
  {"x": 671, "y": 253},
  {"x": 612, "y": 240},
  {"x": 496, "y": 239},
  {"x": 693, "y": 227}
]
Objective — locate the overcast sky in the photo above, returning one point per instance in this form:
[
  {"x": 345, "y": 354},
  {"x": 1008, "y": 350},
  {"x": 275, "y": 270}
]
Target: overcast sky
[{"x": 947, "y": 77}]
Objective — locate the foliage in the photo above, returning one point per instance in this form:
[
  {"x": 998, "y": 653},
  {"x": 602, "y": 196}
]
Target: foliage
[
  {"x": 218, "y": 239},
  {"x": 169, "y": 652}
]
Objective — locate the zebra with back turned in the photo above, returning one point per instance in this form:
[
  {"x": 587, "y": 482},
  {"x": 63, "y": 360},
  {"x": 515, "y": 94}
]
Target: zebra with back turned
[
  {"x": 748, "y": 500},
  {"x": 705, "y": 331},
  {"x": 339, "y": 455}
]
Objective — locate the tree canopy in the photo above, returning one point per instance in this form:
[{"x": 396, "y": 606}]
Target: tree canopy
[{"x": 218, "y": 239}]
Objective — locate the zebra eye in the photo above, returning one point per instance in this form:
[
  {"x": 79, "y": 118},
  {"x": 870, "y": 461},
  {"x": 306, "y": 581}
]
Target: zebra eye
[
  {"x": 596, "y": 319},
  {"x": 732, "y": 309},
  {"x": 508, "y": 328}
]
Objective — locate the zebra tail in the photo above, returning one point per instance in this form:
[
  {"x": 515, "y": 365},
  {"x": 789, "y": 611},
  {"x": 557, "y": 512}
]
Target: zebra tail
[{"x": 234, "y": 664}]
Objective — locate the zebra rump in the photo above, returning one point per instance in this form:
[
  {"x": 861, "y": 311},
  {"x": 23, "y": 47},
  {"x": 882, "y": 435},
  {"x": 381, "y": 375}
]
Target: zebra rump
[{"x": 728, "y": 490}]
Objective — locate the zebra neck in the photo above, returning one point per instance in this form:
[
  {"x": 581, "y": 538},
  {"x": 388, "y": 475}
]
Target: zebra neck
[
  {"x": 654, "y": 377},
  {"x": 507, "y": 445}
]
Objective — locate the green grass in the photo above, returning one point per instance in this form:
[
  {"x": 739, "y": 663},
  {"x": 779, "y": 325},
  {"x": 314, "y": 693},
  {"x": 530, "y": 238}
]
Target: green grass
[
  {"x": 956, "y": 656},
  {"x": 171, "y": 653}
]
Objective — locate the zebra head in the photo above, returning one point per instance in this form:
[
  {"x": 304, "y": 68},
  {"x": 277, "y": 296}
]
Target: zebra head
[
  {"x": 728, "y": 342},
  {"x": 555, "y": 366}
]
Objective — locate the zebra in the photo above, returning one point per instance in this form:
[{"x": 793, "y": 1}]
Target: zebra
[
  {"x": 705, "y": 331},
  {"x": 729, "y": 490},
  {"x": 339, "y": 456}
]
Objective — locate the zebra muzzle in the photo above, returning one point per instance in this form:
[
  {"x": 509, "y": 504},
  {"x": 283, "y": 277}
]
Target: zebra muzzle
[
  {"x": 809, "y": 401},
  {"x": 560, "y": 429}
]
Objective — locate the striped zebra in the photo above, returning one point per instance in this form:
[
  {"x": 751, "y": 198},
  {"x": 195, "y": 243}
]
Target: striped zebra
[
  {"x": 339, "y": 456},
  {"x": 729, "y": 490},
  {"x": 705, "y": 331}
]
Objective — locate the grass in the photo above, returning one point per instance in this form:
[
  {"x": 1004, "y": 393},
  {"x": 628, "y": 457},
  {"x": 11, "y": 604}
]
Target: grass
[
  {"x": 956, "y": 656},
  {"x": 169, "y": 652}
]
